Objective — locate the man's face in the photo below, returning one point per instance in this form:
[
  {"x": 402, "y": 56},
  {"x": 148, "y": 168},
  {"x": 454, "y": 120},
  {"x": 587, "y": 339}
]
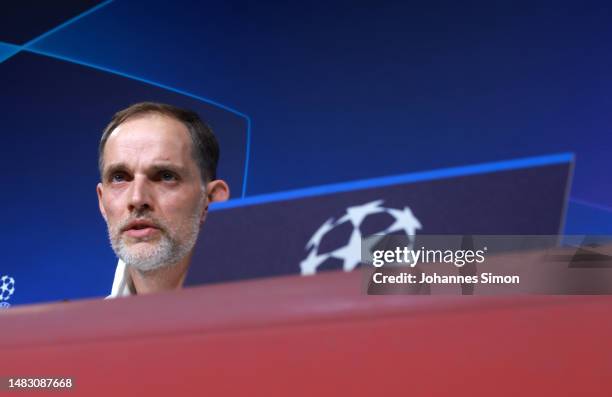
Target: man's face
[{"x": 151, "y": 194}]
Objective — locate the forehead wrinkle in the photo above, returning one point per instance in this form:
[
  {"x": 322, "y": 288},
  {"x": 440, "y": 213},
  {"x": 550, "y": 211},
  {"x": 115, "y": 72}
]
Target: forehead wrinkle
[{"x": 157, "y": 142}]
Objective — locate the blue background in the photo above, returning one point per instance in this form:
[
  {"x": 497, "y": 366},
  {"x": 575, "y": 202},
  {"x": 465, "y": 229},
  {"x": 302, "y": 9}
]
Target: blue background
[{"x": 311, "y": 93}]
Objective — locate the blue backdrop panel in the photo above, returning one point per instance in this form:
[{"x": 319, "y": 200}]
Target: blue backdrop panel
[
  {"x": 343, "y": 90},
  {"x": 291, "y": 232}
]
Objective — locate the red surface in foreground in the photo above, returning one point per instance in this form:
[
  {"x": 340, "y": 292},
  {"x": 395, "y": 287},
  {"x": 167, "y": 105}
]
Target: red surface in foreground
[{"x": 314, "y": 336}]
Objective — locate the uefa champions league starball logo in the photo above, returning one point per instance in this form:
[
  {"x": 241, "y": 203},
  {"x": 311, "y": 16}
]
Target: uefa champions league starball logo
[
  {"x": 349, "y": 254},
  {"x": 7, "y": 289}
]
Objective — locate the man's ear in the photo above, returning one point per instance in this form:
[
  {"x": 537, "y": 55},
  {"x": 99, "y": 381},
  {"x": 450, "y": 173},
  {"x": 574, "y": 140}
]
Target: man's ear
[
  {"x": 99, "y": 191},
  {"x": 217, "y": 191}
]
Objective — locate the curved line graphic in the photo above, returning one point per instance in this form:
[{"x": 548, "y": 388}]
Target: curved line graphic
[
  {"x": 413, "y": 177},
  {"x": 27, "y": 47},
  {"x": 67, "y": 23},
  {"x": 591, "y": 204}
]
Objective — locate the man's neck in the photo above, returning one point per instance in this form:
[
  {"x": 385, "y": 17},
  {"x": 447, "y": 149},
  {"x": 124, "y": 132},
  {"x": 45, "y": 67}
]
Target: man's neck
[{"x": 164, "y": 278}]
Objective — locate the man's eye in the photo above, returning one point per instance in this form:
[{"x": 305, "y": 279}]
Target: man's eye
[
  {"x": 117, "y": 177},
  {"x": 167, "y": 176}
]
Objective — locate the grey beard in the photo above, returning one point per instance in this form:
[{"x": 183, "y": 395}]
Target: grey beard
[
  {"x": 169, "y": 251},
  {"x": 166, "y": 252}
]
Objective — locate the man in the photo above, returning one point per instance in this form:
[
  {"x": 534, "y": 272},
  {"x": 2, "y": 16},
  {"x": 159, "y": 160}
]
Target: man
[{"x": 158, "y": 175}]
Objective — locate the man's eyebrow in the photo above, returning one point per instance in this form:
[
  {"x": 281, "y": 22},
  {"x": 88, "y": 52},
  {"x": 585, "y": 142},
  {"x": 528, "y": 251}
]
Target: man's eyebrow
[
  {"x": 162, "y": 166},
  {"x": 112, "y": 168},
  {"x": 154, "y": 168}
]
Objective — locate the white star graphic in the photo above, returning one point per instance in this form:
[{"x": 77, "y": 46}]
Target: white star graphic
[
  {"x": 316, "y": 238},
  {"x": 311, "y": 262},
  {"x": 358, "y": 213},
  {"x": 404, "y": 221},
  {"x": 350, "y": 253}
]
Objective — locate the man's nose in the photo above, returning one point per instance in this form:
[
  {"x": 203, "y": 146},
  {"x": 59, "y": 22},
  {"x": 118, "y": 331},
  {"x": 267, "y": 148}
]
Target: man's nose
[{"x": 140, "y": 197}]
